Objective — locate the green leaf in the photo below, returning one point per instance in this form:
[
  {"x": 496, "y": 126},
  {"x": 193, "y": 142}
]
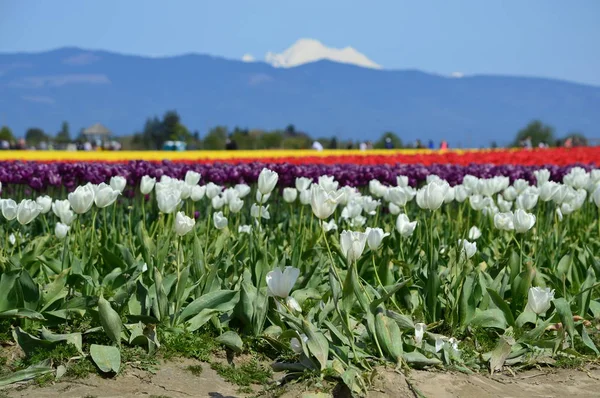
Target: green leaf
[
  {"x": 417, "y": 359},
  {"x": 317, "y": 344},
  {"x": 386, "y": 296},
  {"x": 31, "y": 372},
  {"x": 563, "y": 265},
  {"x": 526, "y": 317},
  {"x": 404, "y": 321},
  {"x": 30, "y": 344},
  {"x": 389, "y": 336},
  {"x": 220, "y": 300},
  {"x": 71, "y": 338},
  {"x": 491, "y": 318},
  {"x": 110, "y": 321},
  {"x": 107, "y": 358},
  {"x": 566, "y": 316},
  {"x": 501, "y": 304},
  {"x": 587, "y": 341},
  {"x": 501, "y": 351},
  {"x": 8, "y": 298},
  {"x": 22, "y": 313},
  {"x": 231, "y": 340},
  {"x": 55, "y": 290}
]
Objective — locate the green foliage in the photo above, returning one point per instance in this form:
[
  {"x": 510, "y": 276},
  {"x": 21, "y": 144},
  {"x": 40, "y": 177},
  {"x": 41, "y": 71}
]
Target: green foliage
[
  {"x": 64, "y": 135},
  {"x": 537, "y": 132},
  {"x": 216, "y": 138},
  {"x": 249, "y": 372},
  {"x": 6, "y": 134},
  {"x": 196, "y": 370},
  {"x": 395, "y": 140},
  {"x": 34, "y": 136}
]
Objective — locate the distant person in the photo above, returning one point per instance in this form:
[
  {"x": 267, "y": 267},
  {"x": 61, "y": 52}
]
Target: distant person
[
  {"x": 444, "y": 145},
  {"x": 431, "y": 144},
  {"x": 527, "y": 143},
  {"x": 5, "y": 145},
  {"x": 317, "y": 146},
  {"x": 388, "y": 143},
  {"x": 569, "y": 143},
  {"x": 418, "y": 144},
  {"x": 87, "y": 146},
  {"x": 369, "y": 145},
  {"x": 350, "y": 146},
  {"x": 362, "y": 146},
  {"x": 231, "y": 145}
]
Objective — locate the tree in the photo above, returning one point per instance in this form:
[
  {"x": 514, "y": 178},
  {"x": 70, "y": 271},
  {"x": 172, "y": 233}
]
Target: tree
[
  {"x": 6, "y": 134},
  {"x": 63, "y": 136},
  {"x": 216, "y": 138},
  {"x": 537, "y": 132},
  {"x": 396, "y": 141},
  {"x": 34, "y": 136}
]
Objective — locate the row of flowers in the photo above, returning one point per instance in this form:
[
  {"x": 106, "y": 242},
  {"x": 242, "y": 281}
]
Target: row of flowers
[
  {"x": 42, "y": 176},
  {"x": 555, "y": 156}
]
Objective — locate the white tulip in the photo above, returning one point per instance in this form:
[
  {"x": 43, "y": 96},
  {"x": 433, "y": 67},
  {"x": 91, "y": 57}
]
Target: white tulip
[
  {"x": 147, "y": 184},
  {"x": 45, "y": 203},
  {"x": 242, "y": 189},
  {"x": 504, "y": 205},
  {"x": 520, "y": 185},
  {"x": 219, "y": 220},
  {"x": 267, "y": 180},
  {"x": 461, "y": 193},
  {"x": 118, "y": 183},
  {"x": 510, "y": 193},
  {"x": 370, "y": 205},
  {"x": 105, "y": 196},
  {"x": 596, "y": 196},
  {"x": 402, "y": 181},
  {"x": 82, "y": 199},
  {"x": 230, "y": 194},
  {"x": 432, "y": 195},
  {"x": 377, "y": 188},
  {"x": 397, "y": 196},
  {"x": 323, "y": 203},
  {"x": 183, "y": 224},
  {"x": 523, "y": 221},
  {"x": 468, "y": 248},
  {"x": 296, "y": 345},
  {"x": 419, "y": 333},
  {"x": 328, "y": 183},
  {"x": 168, "y": 200},
  {"x": 394, "y": 210},
  {"x": 404, "y": 226},
  {"x": 329, "y": 226},
  {"x": 450, "y": 195},
  {"x": 303, "y": 183},
  {"x": 260, "y": 198},
  {"x": 61, "y": 230},
  {"x": 27, "y": 211},
  {"x": 559, "y": 214},
  {"x": 290, "y": 194},
  {"x": 538, "y": 299},
  {"x": 504, "y": 221},
  {"x": 197, "y": 192},
  {"x": 244, "y": 229},
  {"x": 526, "y": 201},
  {"x": 352, "y": 210},
  {"x": 213, "y": 190},
  {"x": 217, "y": 202},
  {"x": 471, "y": 183},
  {"x": 257, "y": 211},
  {"x": 280, "y": 283},
  {"x": 353, "y": 244},
  {"x": 192, "y": 178},
  {"x": 541, "y": 176},
  {"x": 577, "y": 178},
  {"x": 12, "y": 239},
  {"x": 9, "y": 209},
  {"x": 474, "y": 233},
  {"x": 305, "y": 196},
  {"x": 374, "y": 237},
  {"x": 236, "y": 205}
]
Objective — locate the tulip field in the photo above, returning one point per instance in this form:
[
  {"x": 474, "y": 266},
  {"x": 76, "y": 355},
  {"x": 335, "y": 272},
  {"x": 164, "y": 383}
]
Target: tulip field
[{"x": 331, "y": 269}]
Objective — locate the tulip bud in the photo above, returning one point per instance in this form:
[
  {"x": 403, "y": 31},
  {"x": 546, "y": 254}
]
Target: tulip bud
[
  {"x": 61, "y": 230},
  {"x": 197, "y": 192},
  {"x": 82, "y": 199},
  {"x": 404, "y": 226},
  {"x": 105, "y": 196},
  {"x": 353, "y": 244},
  {"x": 45, "y": 203},
  {"x": 168, "y": 200},
  {"x": 192, "y": 178},
  {"x": 374, "y": 237},
  {"x": 9, "y": 208},
  {"x": 118, "y": 183},
  {"x": 432, "y": 195},
  {"x": 219, "y": 220},
  {"x": 147, "y": 184},
  {"x": 303, "y": 183},
  {"x": 290, "y": 194},
  {"x": 468, "y": 248},
  {"x": 27, "y": 211},
  {"x": 538, "y": 299},
  {"x": 267, "y": 180},
  {"x": 236, "y": 205},
  {"x": 523, "y": 221}
]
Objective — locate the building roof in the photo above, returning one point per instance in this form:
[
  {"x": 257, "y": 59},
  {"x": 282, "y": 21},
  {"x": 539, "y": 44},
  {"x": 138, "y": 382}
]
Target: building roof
[{"x": 97, "y": 129}]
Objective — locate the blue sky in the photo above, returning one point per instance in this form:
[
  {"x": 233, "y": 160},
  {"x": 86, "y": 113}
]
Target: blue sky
[{"x": 547, "y": 38}]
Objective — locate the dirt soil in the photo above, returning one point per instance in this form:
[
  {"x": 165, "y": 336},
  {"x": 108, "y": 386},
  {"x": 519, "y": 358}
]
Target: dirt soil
[{"x": 173, "y": 381}]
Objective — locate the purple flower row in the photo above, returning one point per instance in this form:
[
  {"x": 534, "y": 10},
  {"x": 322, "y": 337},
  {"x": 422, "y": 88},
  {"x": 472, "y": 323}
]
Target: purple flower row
[{"x": 41, "y": 176}]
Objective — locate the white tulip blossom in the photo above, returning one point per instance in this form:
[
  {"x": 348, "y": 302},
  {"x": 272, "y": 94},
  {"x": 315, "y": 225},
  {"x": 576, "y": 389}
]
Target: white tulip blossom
[
  {"x": 260, "y": 198},
  {"x": 197, "y": 192},
  {"x": 432, "y": 195},
  {"x": 526, "y": 201},
  {"x": 397, "y": 196},
  {"x": 82, "y": 199},
  {"x": 328, "y": 183},
  {"x": 105, "y": 196},
  {"x": 245, "y": 229},
  {"x": 45, "y": 203},
  {"x": 510, "y": 194},
  {"x": 402, "y": 181},
  {"x": 419, "y": 332},
  {"x": 219, "y": 221},
  {"x": 9, "y": 209},
  {"x": 257, "y": 211},
  {"x": 213, "y": 190},
  {"x": 504, "y": 221},
  {"x": 242, "y": 189},
  {"x": 539, "y": 299},
  {"x": 461, "y": 193},
  {"x": 192, "y": 178},
  {"x": 474, "y": 233},
  {"x": 394, "y": 210},
  {"x": 217, "y": 202},
  {"x": 468, "y": 248},
  {"x": 504, "y": 205},
  {"x": 296, "y": 345},
  {"x": 374, "y": 237},
  {"x": 290, "y": 195},
  {"x": 168, "y": 200},
  {"x": 267, "y": 180},
  {"x": 523, "y": 221},
  {"x": 520, "y": 185},
  {"x": 303, "y": 183},
  {"x": 353, "y": 244},
  {"x": 183, "y": 224},
  {"x": 404, "y": 226},
  {"x": 596, "y": 197},
  {"x": 542, "y": 176},
  {"x": 323, "y": 203},
  {"x": 61, "y": 230},
  {"x": 305, "y": 196},
  {"x": 27, "y": 211},
  {"x": 280, "y": 284},
  {"x": 147, "y": 184},
  {"x": 118, "y": 183},
  {"x": 329, "y": 226},
  {"x": 236, "y": 205}
]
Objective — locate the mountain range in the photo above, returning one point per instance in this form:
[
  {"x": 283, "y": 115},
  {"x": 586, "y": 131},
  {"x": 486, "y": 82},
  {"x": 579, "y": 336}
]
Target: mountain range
[{"x": 323, "y": 98}]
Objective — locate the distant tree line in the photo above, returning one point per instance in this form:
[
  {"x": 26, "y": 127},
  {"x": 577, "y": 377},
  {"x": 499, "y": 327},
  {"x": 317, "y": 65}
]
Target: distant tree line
[{"x": 157, "y": 131}]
